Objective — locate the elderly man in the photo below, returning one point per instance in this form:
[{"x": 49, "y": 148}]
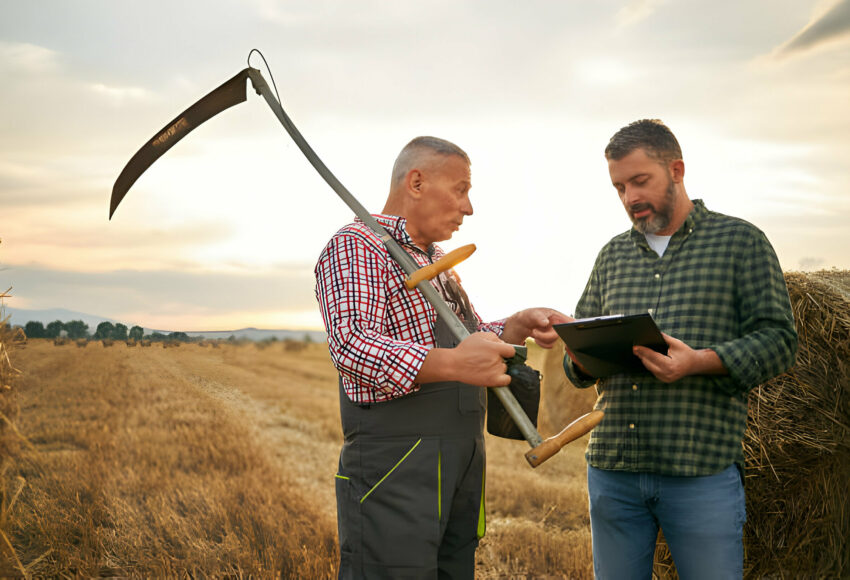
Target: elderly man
[
  {"x": 669, "y": 451},
  {"x": 410, "y": 486}
]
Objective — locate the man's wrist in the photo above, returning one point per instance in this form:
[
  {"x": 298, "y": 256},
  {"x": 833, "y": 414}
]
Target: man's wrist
[
  {"x": 439, "y": 363},
  {"x": 513, "y": 331},
  {"x": 707, "y": 362}
]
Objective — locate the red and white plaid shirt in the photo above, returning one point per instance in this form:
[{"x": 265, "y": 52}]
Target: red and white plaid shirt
[{"x": 378, "y": 331}]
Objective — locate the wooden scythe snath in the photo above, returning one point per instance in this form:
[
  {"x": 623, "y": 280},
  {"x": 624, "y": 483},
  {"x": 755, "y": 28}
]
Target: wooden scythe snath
[{"x": 233, "y": 92}]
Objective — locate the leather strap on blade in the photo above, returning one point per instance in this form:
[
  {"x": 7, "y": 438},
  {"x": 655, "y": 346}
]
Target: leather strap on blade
[{"x": 228, "y": 94}]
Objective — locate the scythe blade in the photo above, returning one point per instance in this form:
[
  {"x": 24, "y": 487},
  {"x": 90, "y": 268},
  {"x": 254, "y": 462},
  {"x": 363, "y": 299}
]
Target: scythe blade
[{"x": 230, "y": 93}]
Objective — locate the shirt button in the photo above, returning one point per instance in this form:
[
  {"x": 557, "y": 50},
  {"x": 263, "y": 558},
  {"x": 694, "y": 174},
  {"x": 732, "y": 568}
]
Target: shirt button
[
  {"x": 657, "y": 276},
  {"x": 631, "y": 425},
  {"x": 634, "y": 387}
]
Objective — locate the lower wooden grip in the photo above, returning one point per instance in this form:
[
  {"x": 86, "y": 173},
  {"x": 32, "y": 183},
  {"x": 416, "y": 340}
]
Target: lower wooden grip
[{"x": 570, "y": 433}]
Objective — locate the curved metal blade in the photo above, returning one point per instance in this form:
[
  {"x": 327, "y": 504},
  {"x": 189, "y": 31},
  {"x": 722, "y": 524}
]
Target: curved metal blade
[{"x": 230, "y": 93}]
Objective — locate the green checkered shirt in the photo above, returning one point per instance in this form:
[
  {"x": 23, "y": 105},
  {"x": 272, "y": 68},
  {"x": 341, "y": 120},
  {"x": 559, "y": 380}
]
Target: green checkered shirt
[{"x": 719, "y": 286}]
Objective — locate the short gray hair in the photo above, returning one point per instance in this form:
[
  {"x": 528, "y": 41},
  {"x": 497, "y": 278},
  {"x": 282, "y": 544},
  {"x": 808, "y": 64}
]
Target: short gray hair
[
  {"x": 412, "y": 154},
  {"x": 651, "y": 135}
]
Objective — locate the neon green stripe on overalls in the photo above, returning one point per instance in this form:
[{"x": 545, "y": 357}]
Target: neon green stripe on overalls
[
  {"x": 440, "y": 485},
  {"x": 400, "y": 461},
  {"x": 482, "y": 520}
]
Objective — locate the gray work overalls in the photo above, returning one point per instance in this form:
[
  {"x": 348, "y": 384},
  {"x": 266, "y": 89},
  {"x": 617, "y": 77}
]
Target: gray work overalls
[{"x": 410, "y": 485}]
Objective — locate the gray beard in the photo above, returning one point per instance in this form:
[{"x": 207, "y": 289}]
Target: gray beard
[{"x": 660, "y": 217}]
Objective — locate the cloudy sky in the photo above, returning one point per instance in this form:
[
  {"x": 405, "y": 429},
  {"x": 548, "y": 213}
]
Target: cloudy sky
[{"x": 223, "y": 231}]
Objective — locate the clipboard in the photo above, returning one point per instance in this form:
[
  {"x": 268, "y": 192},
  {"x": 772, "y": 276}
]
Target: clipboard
[{"x": 603, "y": 345}]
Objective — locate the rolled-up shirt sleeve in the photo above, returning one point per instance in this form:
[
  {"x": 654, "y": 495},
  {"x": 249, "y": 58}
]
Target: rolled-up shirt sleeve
[{"x": 767, "y": 341}]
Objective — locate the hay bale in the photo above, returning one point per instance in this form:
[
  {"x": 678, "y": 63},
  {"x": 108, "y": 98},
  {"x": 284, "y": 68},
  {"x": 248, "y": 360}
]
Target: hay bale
[
  {"x": 10, "y": 445},
  {"x": 9, "y": 441},
  {"x": 19, "y": 337},
  {"x": 797, "y": 446},
  {"x": 291, "y": 345}
]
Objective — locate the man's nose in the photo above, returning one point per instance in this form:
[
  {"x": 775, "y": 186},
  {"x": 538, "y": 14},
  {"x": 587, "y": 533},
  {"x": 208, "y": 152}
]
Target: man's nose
[
  {"x": 466, "y": 207},
  {"x": 630, "y": 196}
]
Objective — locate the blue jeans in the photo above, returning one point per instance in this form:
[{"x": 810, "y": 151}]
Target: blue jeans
[{"x": 702, "y": 519}]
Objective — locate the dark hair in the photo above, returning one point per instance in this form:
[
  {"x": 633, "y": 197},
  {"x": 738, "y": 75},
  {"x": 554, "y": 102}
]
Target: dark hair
[{"x": 651, "y": 135}]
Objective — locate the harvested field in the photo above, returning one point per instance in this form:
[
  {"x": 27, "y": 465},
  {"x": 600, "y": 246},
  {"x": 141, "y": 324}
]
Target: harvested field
[
  {"x": 195, "y": 461},
  {"x": 191, "y": 460}
]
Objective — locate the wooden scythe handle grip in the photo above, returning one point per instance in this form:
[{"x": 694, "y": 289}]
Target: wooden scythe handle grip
[
  {"x": 447, "y": 262},
  {"x": 570, "y": 433}
]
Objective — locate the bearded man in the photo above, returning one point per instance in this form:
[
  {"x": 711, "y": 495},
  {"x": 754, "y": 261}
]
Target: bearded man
[{"x": 669, "y": 452}]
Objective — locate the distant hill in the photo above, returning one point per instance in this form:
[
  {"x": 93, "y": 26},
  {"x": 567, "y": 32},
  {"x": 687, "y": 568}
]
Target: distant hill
[{"x": 20, "y": 316}]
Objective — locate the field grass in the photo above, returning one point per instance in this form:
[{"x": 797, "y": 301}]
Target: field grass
[{"x": 198, "y": 461}]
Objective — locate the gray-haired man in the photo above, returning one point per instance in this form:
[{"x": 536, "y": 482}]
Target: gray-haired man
[{"x": 410, "y": 486}]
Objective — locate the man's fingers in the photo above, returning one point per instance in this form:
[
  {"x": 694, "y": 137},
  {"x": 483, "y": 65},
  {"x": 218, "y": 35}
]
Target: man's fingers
[
  {"x": 560, "y": 318},
  {"x": 545, "y": 339},
  {"x": 644, "y": 353},
  {"x": 655, "y": 362},
  {"x": 501, "y": 381},
  {"x": 503, "y": 349},
  {"x": 545, "y": 334}
]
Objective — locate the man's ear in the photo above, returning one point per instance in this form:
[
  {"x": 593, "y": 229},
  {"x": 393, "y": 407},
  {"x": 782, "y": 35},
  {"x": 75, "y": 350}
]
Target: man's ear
[
  {"x": 677, "y": 170},
  {"x": 414, "y": 180}
]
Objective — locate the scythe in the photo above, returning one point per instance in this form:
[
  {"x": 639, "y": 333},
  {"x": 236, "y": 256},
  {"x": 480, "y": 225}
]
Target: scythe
[{"x": 233, "y": 92}]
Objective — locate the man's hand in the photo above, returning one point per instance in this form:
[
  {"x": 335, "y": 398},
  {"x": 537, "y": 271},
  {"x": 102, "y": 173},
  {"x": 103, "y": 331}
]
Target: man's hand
[
  {"x": 535, "y": 323},
  {"x": 478, "y": 360},
  {"x": 680, "y": 361}
]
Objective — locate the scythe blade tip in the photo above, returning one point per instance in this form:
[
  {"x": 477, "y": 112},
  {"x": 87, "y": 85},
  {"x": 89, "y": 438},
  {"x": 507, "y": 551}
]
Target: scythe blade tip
[{"x": 230, "y": 93}]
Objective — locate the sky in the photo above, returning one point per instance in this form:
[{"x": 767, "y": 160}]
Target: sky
[{"x": 224, "y": 230}]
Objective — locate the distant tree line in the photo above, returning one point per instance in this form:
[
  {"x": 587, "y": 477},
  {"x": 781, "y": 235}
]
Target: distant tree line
[
  {"x": 105, "y": 330},
  {"x": 73, "y": 329}
]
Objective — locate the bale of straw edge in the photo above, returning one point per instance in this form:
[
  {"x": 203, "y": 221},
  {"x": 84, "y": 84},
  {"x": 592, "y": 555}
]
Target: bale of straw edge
[
  {"x": 9, "y": 442},
  {"x": 797, "y": 446}
]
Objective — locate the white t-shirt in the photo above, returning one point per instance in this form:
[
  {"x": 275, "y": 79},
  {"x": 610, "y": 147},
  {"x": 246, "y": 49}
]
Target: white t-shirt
[{"x": 658, "y": 243}]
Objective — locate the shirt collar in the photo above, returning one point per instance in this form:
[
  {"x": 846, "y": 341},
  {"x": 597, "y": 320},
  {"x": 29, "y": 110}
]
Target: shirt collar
[{"x": 396, "y": 226}]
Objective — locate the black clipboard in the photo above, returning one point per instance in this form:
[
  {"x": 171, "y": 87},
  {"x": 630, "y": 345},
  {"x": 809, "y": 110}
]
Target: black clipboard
[{"x": 603, "y": 345}]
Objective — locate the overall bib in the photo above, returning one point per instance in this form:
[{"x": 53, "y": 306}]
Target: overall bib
[{"x": 410, "y": 485}]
